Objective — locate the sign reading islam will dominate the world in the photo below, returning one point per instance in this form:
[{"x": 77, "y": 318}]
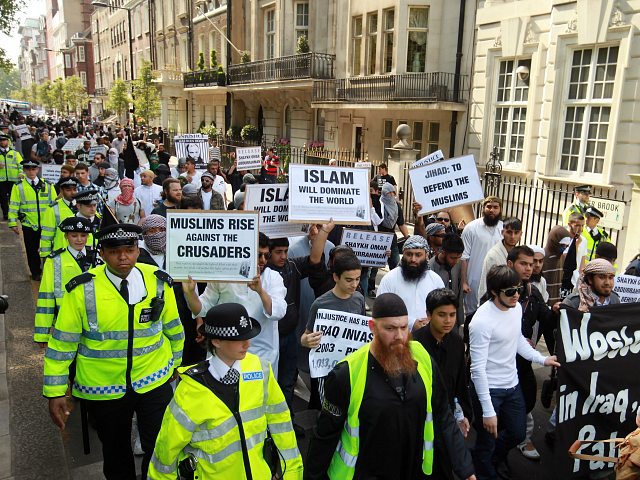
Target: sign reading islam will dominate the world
[
  {"x": 446, "y": 184},
  {"x": 272, "y": 201},
  {"x": 342, "y": 333},
  {"x": 249, "y": 158},
  {"x": 369, "y": 247},
  {"x": 214, "y": 246},
  {"x": 319, "y": 193}
]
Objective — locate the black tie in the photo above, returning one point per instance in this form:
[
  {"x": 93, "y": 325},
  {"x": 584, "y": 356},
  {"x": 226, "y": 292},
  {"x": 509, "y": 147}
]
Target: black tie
[
  {"x": 33, "y": 184},
  {"x": 124, "y": 291}
]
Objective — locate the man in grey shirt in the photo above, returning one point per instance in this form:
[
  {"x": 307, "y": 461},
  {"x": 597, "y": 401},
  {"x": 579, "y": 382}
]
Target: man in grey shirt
[{"x": 447, "y": 265}]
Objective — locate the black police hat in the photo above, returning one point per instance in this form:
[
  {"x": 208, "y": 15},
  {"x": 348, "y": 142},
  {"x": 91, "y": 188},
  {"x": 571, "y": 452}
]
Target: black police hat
[
  {"x": 69, "y": 182},
  {"x": 29, "y": 163},
  {"x": 119, "y": 235},
  {"x": 75, "y": 224},
  {"x": 593, "y": 212},
  {"x": 4, "y": 137},
  {"x": 88, "y": 197},
  {"x": 583, "y": 189},
  {"x": 229, "y": 321}
]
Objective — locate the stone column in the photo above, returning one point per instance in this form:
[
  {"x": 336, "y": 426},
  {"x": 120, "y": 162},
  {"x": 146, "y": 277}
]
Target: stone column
[{"x": 633, "y": 230}]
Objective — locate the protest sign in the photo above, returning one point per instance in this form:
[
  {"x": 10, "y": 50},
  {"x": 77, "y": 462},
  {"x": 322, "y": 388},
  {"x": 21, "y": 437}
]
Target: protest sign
[
  {"x": 73, "y": 144},
  {"x": 249, "y": 158},
  {"x": 613, "y": 211},
  {"x": 272, "y": 201},
  {"x": 446, "y": 184},
  {"x": 23, "y": 131},
  {"x": 432, "y": 157},
  {"x": 342, "y": 333},
  {"x": 628, "y": 288},
  {"x": 194, "y": 145},
  {"x": 319, "y": 193},
  {"x": 97, "y": 149},
  {"x": 598, "y": 389},
  {"x": 214, "y": 246},
  {"x": 369, "y": 247},
  {"x": 50, "y": 173},
  {"x": 363, "y": 165}
]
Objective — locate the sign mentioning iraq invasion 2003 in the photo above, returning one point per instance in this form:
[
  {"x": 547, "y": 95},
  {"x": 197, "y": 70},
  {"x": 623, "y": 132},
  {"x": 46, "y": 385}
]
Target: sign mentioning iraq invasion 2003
[
  {"x": 446, "y": 184},
  {"x": 214, "y": 246},
  {"x": 272, "y": 201},
  {"x": 369, "y": 247},
  {"x": 342, "y": 333},
  {"x": 319, "y": 193}
]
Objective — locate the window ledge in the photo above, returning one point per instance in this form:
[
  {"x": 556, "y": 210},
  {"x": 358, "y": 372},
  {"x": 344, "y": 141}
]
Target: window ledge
[{"x": 576, "y": 180}]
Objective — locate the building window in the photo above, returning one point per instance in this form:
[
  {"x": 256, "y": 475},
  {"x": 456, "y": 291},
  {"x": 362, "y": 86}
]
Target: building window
[
  {"x": 96, "y": 53},
  {"x": 67, "y": 60},
  {"x": 222, "y": 54},
  {"x": 145, "y": 17},
  {"x": 160, "y": 59},
  {"x": 184, "y": 53},
  {"x": 417, "y": 39},
  {"x": 270, "y": 34},
  {"x": 147, "y": 54},
  {"x": 320, "y": 120},
  {"x": 388, "y": 41},
  {"x": 201, "y": 46},
  {"x": 387, "y": 135},
  {"x": 98, "y": 80},
  {"x": 373, "y": 43},
  {"x": 212, "y": 46},
  {"x": 287, "y": 122},
  {"x": 302, "y": 20},
  {"x": 357, "y": 45},
  {"x": 417, "y": 135},
  {"x": 160, "y": 16},
  {"x": 588, "y": 109},
  {"x": 434, "y": 136},
  {"x": 83, "y": 79},
  {"x": 81, "y": 53},
  {"x": 511, "y": 111}
]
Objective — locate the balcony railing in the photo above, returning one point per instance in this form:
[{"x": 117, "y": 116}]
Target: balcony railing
[
  {"x": 416, "y": 87},
  {"x": 292, "y": 67},
  {"x": 167, "y": 76},
  {"x": 202, "y": 78},
  {"x": 100, "y": 92}
]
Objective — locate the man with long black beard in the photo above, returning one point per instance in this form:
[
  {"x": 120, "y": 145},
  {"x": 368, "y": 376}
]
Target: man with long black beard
[
  {"x": 385, "y": 408},
  {"x": 413, "y": 281}
]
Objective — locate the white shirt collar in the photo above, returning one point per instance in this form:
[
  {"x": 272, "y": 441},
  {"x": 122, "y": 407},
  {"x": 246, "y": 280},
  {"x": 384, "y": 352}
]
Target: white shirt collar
[
  {"x": 75, "y": 252},
  {"x": 137, "y": 288},
  {"x": 88, "y": 218},
  {"x": 35, "y": 181},
  {"x": 219, "y": 369},
  {"x": 606, "y": 301}
]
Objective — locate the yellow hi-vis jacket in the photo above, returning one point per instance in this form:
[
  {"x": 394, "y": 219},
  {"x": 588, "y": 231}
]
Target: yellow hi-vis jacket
[
  {"x": 197, "y": 422},
  {"x": 118, "y": 347},
  {"x": 343, "y": 463},
  {"x": 59, "y": 269},
  {"x": 26, "y": 205},
  {"x": 10, "y": 165},
  {"x": 52, "y": 218}
]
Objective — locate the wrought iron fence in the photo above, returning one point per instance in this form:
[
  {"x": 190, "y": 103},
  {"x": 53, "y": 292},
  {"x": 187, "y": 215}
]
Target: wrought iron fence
[
  {"x": 291, "y": 67},
  {"x": 203, "y": 78}
]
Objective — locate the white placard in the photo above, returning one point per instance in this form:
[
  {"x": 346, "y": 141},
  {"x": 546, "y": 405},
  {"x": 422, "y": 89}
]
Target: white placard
[
  {"x": 369, "y": 247},
  {"x": 214, "y": 246},
  {"x": 97, "y": 149},
  {"x": 50, "y": 173},
  {"x": 627, "y": 287},
  {"x": 272, "y": 201},
  {"x": 249, "y": 158},
  {"x": 613, "y": 211},
  {"x": 194, "y": 145},
  {"x": 432, "y": 157},
  {"x": 23, "y": 131},
  {"x": 363, "y": 165},
  {"x": 342, "y": 333},
  {"x": 319, "y": 193},
  {"x": 446, "y": 184},
  {"x": 73, "y": 144}
]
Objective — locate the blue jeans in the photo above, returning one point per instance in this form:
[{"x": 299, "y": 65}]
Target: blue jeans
[
  {"x": 364, "y": 279},
  {"x": 288, "y": 366},
  {"x": 394, "y": 259},
  {"x": 512, "y": 427}
]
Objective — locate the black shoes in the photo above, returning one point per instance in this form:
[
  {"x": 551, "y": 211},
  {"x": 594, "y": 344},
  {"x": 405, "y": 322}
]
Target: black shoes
[
  {"x": 502, "y": 470},
  {"x": 550, "y": 438}
]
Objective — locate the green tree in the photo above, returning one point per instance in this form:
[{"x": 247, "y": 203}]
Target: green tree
[
  {"x": 303, "y": 45},
  {"x": 58, "y": 95},
  {"x": 44, "y": 95},
  {"x": 9, "y": 82},
  {"x": 8, "y": 12},
  {"x": 75, "y": 93},
  {"x": 33, "y": 94},
  {"x": 24, "y": 94},
  {"x": 119, "y": 99},
  {"x": 15, "y": 95},
  {"x": 147, "y": 98},
  {"x": 214, "y": 58}
]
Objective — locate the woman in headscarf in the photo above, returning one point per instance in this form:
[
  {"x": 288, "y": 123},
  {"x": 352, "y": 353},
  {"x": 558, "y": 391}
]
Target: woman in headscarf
[
  {"x": 126, "y": 207},
  {"x": 391, "y": 216}
]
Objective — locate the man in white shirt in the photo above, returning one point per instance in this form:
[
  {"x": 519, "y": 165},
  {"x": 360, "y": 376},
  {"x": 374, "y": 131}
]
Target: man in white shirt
[
  {"x": 192, "y": 175},
  {"x": 263, "y": 297},
  {"x": 495, "y": 339},
  {"x": 479, "y": 237},
  {"x": 118, "y": 143},
  {"x": 413, "y": 281},
  {"x": 148, "y": 192}
]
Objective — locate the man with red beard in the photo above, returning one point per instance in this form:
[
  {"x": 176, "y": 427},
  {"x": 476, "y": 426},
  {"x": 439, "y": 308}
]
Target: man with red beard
[{"x": 385, "y": 407}]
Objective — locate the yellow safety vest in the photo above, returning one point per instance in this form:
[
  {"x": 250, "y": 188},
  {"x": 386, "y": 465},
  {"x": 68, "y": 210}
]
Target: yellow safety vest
[
  {"x": 52, "y": 218},
  {"x": 197, "y": 422},
  {"x": 573, "y": 208},
  {"x": 11, "y": 169},
  {"x": 27, "y": 206},
  {"x": 345, "y": 458},
  {"x": 58, "y": 270},
  {"x": 592, "y": 244},
  {"x": 95, "y": 323}
]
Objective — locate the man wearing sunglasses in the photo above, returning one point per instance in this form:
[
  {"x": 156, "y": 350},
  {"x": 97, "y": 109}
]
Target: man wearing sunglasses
[
  {"x": 444, "y": 218},
  {"x": 434, "y": 233},
  {"x": 495, "y": 340}
]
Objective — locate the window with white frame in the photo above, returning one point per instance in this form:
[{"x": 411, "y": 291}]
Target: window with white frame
[
  {"x": 302, "y": 20},
  {"x": 83, "y": 79},
  {"x": 320, "y": 121},
  {"x": 147, "y": 54},
  {"x": 270, "y": 33},
  {"x": 96, "y": 53},
  {"x": 160, "y": 58},
  {"x": 212, "y": 46},
  {"x": 357, "y": 45},
  {"x": 372, "y": 42},
  {"x": 511, "y": 110},
  {"x": 81, "y": 53},
  {"x": 222, "y": 54},
  {"x": 434, "y": 136},
  {"x": 588, "y": 109},
  {"x": 145, "y": 17},
  {"x": 417, "y": 135},
  {"x": 98, "y": 80},
  {"x": 387, "y": 61},
  {"x": 184, "y": 53},
  {"x": 387, "y": 136},
  {"x": 67, "y": 61},
  {"x": 201, "y": 45},
  {"x": 160, "y": 15},
  {"x": 417, "y": 31}
]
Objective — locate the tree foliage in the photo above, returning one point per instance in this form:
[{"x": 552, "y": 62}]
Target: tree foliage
[
  {"x": 33, "y": 94},
  {"x": 44, "y": 95},
  {"x": 119, "y": 99},
  {"x": 9, "y": 82},
  {"x": 8, "y": 11},
  {"x": 75, "y": 93},
  {"x": 201, "y": 61},
  {"x": 303, "y": 45},
  {"x": 214, "y": 58},
  {"x": 147, "y": 97},
  {"x": 58, "y": 95},
  {"x": 15, "y": 95}
]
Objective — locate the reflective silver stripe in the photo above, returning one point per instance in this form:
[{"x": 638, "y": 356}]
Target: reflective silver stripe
[
  {"x": 177, "y": 336},
  {"x": 57, "y": 277},
  {"x": 290, "y": 453},
  {"x": 181, "y": 417},
  {"x": 177, "y": 355},
  {"x": 352, "y": 431},
  {"x": 90, "y": 305},
  {"x": 48, "y": 229},
  {"x": 229, "y": 450},
  {"x": 42, "y": 330},
  {"x": 277, "y": 408},
  {"x": 21, "y": 190},
  {"x": 46, "y": 296},
  {"x": 59, "y": 356},
  {"x": 282, "y": 427},
  {"x": 45, "y": 310},
  {"x": 118, "y": 353},
  {"x": 255, "y": 439},
  {"x": 56, "y": 212},
  {"x": 429, "y": 417},
  {"x": 225, "y": 427},
  {"x": 66, "y": 336},
  {"x": 56, "y": 379},
  {"x": 171, "y": 324},
  {"x": 161, "y": 467},
  {"x": 349, "y": 460},
  {"x": 428, "y": 445},
  {"x": 266, "y": 369},
  {"x": 154, "y": 329}
]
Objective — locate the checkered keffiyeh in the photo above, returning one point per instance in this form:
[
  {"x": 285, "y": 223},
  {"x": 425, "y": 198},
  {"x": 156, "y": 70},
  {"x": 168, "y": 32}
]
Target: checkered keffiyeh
[
  {"x": 588, "y": 298},
  {"x": 434, "y": 229},
  {"x": 153, "y": 221},
  {"x": 416, "y": 241}
]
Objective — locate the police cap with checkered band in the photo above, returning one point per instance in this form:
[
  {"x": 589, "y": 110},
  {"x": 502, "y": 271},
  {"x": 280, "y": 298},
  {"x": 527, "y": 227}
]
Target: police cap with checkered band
[
  {"x": 75, "y": 224},
  {"x": 119, "y": 235},
  {"x": 229, "y": 321},
  {"x": 86, "y": 197}
]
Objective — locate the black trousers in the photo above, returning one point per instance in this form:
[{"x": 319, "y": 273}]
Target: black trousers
[
  {"x": 113, "y": 422},
  {"x": 31, "y": 246},
  {"x": 5, "y": 193}
]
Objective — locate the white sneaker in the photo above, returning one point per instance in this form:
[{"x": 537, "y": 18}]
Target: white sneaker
[
  {"x": 137, "y": 447},
  {"x": 530, "y": 454}
]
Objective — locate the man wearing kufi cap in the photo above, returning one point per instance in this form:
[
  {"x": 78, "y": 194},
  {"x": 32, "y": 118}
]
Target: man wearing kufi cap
[
  {"x": 211, "y": 199},
  {"x": 10, "y": 158},
  {"x": 62, "y": 208},
  {"x": 148, "y": 192},
  {"x": 30, "y": 198},
  {"x": 580, "y": 204},
  {"x": 120, "y": 323},
  {"x": 386, "y": 412},
  {"x": 592, "y": 232}
]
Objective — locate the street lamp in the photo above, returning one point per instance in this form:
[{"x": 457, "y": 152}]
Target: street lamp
[{"x": 97, "y": 3}]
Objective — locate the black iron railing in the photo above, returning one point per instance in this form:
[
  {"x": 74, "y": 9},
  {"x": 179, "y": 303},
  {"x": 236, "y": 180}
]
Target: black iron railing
[
  {"x": 416, "y": 87},
  {"x": 100, "y": 92},
  {"x": 203, "y": 78},
  {"x": 292, "y": 67}
]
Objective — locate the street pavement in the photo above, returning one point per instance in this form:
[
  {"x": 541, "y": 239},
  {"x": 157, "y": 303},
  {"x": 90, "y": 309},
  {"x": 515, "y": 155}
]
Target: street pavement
[{"x": 32, "y": 447}]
